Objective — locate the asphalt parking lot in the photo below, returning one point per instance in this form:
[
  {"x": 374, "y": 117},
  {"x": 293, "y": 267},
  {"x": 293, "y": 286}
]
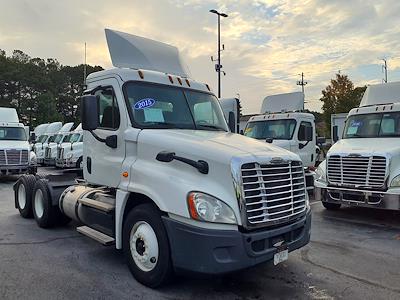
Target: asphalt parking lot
[{"x": 354, "y": 253}]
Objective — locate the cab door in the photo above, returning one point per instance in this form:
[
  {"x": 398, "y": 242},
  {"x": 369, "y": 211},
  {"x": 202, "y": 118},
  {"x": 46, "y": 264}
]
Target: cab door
[
  {"x": 307, "y": 141},
  {"x": 102, "y": 164}
]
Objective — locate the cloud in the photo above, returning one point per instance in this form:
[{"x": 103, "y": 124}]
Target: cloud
[{"x": 267, "y": 42}]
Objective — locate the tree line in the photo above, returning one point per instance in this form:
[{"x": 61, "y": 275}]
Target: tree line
[{"x": 42, "y": 90}]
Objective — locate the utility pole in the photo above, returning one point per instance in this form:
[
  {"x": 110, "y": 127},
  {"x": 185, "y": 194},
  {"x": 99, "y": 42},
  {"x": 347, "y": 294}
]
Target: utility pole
[
  {"x": 385, "y": 70},
  {"x": 302, "y": 82},
  {"x": 218, "y": 66},
  {"x": 84, "y": 69}
]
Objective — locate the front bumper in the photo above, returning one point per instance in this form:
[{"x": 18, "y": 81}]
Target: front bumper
[
  {"x": 66, "y": 163},
  {"x": 50, "y": 161},
  {"x": 13, "y": 169},
  {"x": 363, "y": 198},
  {"x": 210, "y": 251}
]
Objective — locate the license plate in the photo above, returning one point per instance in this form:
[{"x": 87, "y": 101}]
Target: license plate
[{"x": 281, "y": 256}]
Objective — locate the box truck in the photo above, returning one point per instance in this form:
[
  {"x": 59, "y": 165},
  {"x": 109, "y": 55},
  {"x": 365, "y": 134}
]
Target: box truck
[{"x": 165, "y": 180}]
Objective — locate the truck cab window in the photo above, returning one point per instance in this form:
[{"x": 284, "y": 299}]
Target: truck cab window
[
  {"x": 302, "y": 131},
  {"x": 109, "y": 117}
]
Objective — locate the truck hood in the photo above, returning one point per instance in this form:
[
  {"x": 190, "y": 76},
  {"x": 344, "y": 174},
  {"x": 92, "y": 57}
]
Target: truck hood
[
  {"x": 211, "y": 145},
  {"x": 14, "y": 144},
  {"x": 370, "y": 146}
]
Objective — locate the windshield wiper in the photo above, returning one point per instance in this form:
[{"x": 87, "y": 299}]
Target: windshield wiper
[
  {"x": 163, "y": 124},
  {"x": 211, "y": 126}
]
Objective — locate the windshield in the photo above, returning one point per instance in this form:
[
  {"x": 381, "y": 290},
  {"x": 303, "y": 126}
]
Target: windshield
[
  {"x": 74, "y": 138},
  {"x": 51, "y": 139},
  {"x": 373, "y": 125},
  {"x": 157, "y": 106},
  {"x": 271, "y": 129},
  {"x": 66, "y": 138},
  {"x": 57, "y": 138},
  {"x": 12, "y": 134},
  {"x": 41, "y": 139}
]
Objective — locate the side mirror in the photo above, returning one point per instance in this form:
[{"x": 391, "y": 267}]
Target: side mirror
[
  {"x": 32, "y": 138},
  {"x": 269, "y": 140},
  {"x": 335, "y": 136},
  {"x": 231, "y": 122},
  {"x": 241, "y": 132},
  {"x": 89, "y": 112}
]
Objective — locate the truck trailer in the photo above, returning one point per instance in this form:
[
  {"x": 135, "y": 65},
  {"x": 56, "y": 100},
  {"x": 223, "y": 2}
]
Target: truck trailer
[
  {"x": 165, "y": 179},
  {"x": 363, "y": 168}
]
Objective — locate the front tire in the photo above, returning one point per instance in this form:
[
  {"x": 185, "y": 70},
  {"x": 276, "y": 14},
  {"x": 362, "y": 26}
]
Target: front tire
[
  {"x": 146, "y": 246},
  {"x": 23, "y": 195},
  {"x": 79, "y": 163},
  {"x": 331, "y": 206}
]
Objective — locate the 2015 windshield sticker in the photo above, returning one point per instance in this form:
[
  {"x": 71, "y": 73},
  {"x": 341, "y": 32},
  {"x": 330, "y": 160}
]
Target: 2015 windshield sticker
[{"x": 144, "y": 103}]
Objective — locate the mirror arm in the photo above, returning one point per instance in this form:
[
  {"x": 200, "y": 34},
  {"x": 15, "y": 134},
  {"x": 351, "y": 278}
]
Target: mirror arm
[
  {"x": 97, "y": 137},
  {"x": 301, "y": 146}
]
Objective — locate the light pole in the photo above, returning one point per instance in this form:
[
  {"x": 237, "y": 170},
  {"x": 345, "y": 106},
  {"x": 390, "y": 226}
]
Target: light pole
[{"x": 218, "y": 66}]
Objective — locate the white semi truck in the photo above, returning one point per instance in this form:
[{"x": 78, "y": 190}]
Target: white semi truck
[
  {"x": 16, "y": 156},
  {"x": 50, "y": 150},
  {"x": 363, "y": 168},
  {"x": 43, "y": 140},
  {"x": 165, "y": 180},
  {"x": 70, "y": 153},
  {"x": 283, "y": 123},
  {"x": 338, "y": 122}
]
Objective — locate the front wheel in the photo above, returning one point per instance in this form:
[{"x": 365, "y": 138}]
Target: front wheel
[
  {"x": 331, "y": 206},
  {"x": 146, "y": 247},
  {"x": 79, "y": 163}
]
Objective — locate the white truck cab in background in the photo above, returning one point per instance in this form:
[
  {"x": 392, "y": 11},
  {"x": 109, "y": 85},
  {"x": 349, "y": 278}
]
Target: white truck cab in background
[
  {"x": 62, "y": 136},
  {"x": 283, "y": 124},
  {"x": 338, "y": 122},
  {"x": 70, "y": 153},
  {"x": 164, "y": 178},
  {"x": 43, "y": 140},
  {"x": 231, "y": 108},
  {"x": 16, "y": 156},
  {"x": 363, "y": 168}
]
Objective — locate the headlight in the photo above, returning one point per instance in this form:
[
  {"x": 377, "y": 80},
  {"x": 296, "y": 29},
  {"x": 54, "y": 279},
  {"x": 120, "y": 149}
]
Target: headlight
[
  {"x": 320, "y": 172},
  {"x": 203, "y": 207},
  {"x": 395, "y": 182}
]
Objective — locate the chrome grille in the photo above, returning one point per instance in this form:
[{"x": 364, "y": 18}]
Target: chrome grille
[
  {"x": 367, "y": 171},
  {"x": 60, "y": 153},
  {"x": 273, "y": 193},
  {"x": 47, "y": 153},
  {"x": 14, "y": 157}
]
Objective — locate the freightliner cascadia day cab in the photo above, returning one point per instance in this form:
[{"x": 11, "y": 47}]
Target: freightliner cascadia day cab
[
  {"x": 44, "y": 139},
  {"x": 16, "y": 156},
  {"x": 363, "y": 168},
  {"x": 50, "y": 151},
  {"x": 70, "y": 153},
  {"x": 283, "y": 124},
  {"x": 166, "y": 181}
]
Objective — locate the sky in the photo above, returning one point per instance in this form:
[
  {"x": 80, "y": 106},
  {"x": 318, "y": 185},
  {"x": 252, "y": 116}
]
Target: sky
[{"x": 268, "y": 43}]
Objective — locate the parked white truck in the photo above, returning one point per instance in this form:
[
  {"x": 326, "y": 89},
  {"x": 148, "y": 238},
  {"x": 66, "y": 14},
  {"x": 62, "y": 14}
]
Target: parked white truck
[
  {"x": 338, "y": 122},
  {"x": 164, "y": 178},
  {"x": 70, "y": 153},
  {"x": 363, "y": 168},
  {"x": 50, "y": 150},
  {"x": 16, "y": 156},
  {"x": 283, "y": 124},
  {"x": 43, "y": 140}
]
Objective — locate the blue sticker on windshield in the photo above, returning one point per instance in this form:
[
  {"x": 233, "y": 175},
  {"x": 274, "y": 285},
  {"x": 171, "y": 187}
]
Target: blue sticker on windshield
[
  {"x": 356, "y": 123},
  {"x": 144, "y": 103}
]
